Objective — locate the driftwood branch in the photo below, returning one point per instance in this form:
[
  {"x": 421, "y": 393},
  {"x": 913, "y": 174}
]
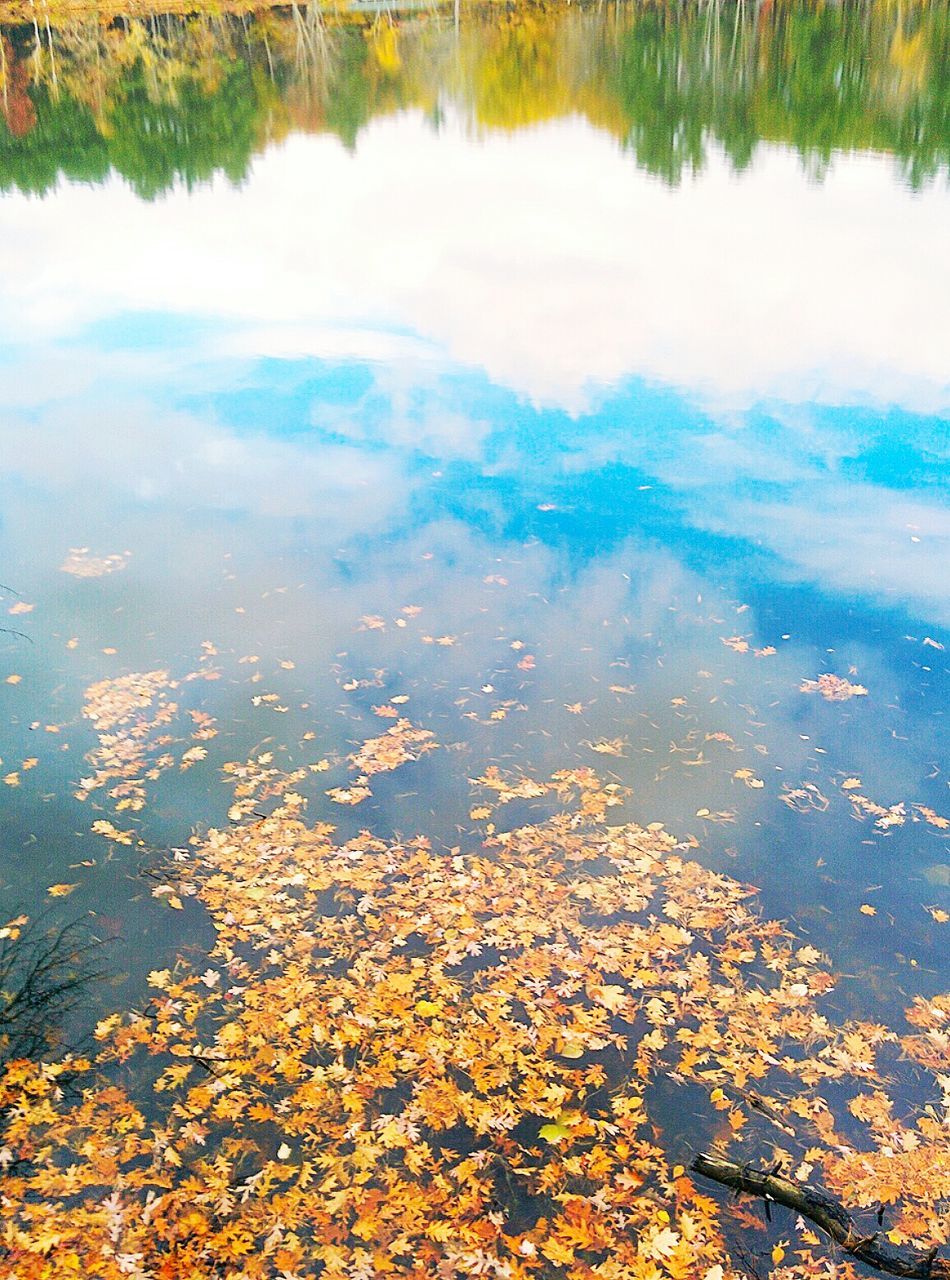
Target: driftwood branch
[{"x": 873, "y": 1250}]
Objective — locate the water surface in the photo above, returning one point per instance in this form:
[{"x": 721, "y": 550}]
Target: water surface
[{"x": 580, "y": 376}]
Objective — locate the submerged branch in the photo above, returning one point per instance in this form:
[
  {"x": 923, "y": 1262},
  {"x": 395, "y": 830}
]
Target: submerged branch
[{"x": 825, "y": 1212}]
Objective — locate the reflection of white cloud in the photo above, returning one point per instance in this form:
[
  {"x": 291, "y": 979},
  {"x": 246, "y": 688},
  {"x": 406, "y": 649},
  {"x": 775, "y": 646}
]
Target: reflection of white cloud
[
  {"x": 327, "y": 342},
  {"x": 722, "y": 458},
  {"x": 850, "y": 538},
  {"x": 780, "y": 483},
  {"x": 131, "y": 451},
  {"x": 544, "y": 257},
  {"x": 420, "y": 415},
  {"x": 437, "y": 433}
]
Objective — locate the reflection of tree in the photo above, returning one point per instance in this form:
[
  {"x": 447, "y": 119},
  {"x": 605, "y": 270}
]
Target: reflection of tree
[
  {"x": 312, "y": 60},
  {"x": 523, "y": 76},
  {"x": 664, "y": 94},
  {"x": 153, "y": 108},
  {"x": 805, "y": 75},
  {"x": 45, "y": 974},
  {"x": 166, "y": 98},
  {"x": 17, "y": 106}
]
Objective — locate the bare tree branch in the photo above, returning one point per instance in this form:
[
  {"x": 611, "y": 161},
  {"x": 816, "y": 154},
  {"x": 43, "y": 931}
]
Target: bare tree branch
[{"x": 873, "y": 1250}]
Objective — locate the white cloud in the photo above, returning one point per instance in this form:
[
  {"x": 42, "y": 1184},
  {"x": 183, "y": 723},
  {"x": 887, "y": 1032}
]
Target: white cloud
[{"x": 545, "y": 258}]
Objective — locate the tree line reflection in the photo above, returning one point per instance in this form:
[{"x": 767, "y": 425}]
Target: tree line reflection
[{"x": 179, "y": 98}]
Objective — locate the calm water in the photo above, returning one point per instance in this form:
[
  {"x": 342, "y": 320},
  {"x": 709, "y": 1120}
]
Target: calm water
[{"x": 587, "y": 341}]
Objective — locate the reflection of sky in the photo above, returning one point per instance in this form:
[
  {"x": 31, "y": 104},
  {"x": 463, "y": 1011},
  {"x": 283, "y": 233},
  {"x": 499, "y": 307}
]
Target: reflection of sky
[
  {"x": 852, "y": 499},
  {"x": 379, "y": 379},
  {"x": 544, "y": 257},
  {"x": 730, "y": 334}
]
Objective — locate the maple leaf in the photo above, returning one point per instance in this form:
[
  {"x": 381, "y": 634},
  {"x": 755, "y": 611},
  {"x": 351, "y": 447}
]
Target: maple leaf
[
  {"x": 934, "y": 819},
  {"x": 662, "y": 1244}
]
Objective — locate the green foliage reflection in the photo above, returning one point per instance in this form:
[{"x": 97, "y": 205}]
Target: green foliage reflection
[{"x": 177, "y": 99}]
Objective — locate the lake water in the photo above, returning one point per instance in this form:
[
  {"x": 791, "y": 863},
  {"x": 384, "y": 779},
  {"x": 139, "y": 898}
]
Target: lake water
[{"x": 580, "y": 377}]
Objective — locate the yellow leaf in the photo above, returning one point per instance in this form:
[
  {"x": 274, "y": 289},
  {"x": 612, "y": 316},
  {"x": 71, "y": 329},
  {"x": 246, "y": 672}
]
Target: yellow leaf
[
  {"x": 611, "y": 997},
  {"x": 557, "y": 1251},
  {"x": 571, "y": 1050},
  {"x": 106, "y": 1025},
  {"x": 429, "y": 1008},
  {"x": 60, "y": 890}
]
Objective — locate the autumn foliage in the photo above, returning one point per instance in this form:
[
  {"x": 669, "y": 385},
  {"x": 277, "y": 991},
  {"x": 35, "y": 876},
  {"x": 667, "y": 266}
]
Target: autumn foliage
[
  {"x": 408, "y": 1060},
  {"x": 81, "y": 86}
]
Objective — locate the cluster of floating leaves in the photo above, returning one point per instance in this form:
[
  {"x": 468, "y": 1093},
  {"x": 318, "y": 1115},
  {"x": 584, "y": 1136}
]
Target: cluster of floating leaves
[
  {"x": 906, "y": 1161},
  {"x": 132, "y": 716},
  {"x": 81, "y": 563},
  {"x": 834, "y": 688},
  {"x": 740, "y": 644},
  {"x": 400, "y": 1059},
  {"x": 435, "y": 1062},
  {"x": 398, "y": 745}
]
